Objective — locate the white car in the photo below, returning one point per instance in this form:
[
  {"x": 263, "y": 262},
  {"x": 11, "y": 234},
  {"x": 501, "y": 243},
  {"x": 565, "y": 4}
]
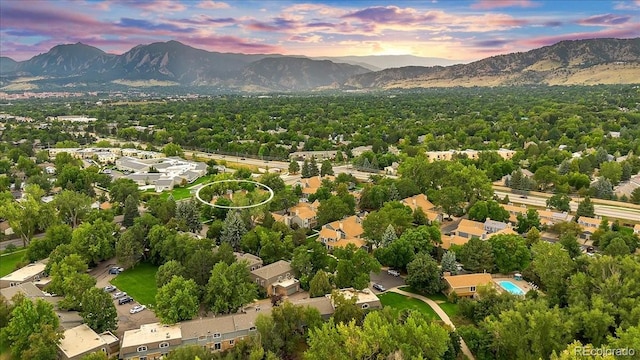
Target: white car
[
  {"x": 395, "y": 273},
  {"x": 119, "y": 294},
  {"x": 136, "y": 309}
]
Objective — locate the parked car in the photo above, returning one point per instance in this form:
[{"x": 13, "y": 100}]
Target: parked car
[
  {"x": 379, "y": 287},
  {"x": 395, "y": 273},
  {"x": 115, "y": 270},
  {"x": 109, "y": 288},
  {"x": 136, "y": 309},
  {"x": 125, "y": 300},
  {"x": 119, "y": 294}
]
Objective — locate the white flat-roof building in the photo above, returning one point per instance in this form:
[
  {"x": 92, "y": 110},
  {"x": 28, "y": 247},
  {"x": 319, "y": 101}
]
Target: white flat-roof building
[
  {"x": 29, "y": 273},
  {"x": 82, "y": 340},
  {"x": 150, "y": 341}
]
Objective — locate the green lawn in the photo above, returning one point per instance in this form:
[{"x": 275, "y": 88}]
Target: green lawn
[
  {"x": 139, "y": 283},
  {"x": 449, "y": 308},
  {"x": 8, "y": 262},
  {"x": 180, "y": 193},
  {"x": 5, "y": 351},
  {"x": 400, "y": 302}
]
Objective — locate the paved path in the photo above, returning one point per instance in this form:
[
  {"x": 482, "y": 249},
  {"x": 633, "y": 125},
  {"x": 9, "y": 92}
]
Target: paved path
[{"x": 441, "y": 314}]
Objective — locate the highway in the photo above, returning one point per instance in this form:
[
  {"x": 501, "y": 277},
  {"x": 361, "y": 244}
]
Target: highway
[{"x": 609, "y": 211}]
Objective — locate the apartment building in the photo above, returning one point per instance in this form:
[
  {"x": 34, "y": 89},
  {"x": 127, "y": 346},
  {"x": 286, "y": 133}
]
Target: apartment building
[
  {"x": 150, "y": 341},
  {"x": 340, "y": 233},
  {"x": 82, "y": 340},
  {"x": 276, "y": 278},
  {"x": 421, "y": 201},
  {"x": 30, "y": 273}
]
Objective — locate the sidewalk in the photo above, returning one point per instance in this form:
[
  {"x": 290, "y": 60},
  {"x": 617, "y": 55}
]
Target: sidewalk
[{"x": 441, "y": 314}]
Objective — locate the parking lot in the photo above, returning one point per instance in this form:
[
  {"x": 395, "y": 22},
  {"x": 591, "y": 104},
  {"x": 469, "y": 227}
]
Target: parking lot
[
  {"x": 386, "y": 280},
  {"x": 126, "y": 321}
]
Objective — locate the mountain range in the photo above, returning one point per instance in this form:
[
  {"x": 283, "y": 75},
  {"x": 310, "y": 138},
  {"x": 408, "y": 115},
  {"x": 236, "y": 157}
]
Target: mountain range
[{"x": 172, "y": 63}]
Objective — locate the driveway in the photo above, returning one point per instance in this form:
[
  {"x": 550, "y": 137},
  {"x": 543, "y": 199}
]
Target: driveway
[{"x": 386, "y": 280}]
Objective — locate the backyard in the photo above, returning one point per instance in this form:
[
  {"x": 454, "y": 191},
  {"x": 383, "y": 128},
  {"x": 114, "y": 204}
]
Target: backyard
[
  {"x": 400, "y": 302},
  {"x": 448, "y": 307},
  {"x": 8, "y": 262},
  {"x": 139, "y": 283}
]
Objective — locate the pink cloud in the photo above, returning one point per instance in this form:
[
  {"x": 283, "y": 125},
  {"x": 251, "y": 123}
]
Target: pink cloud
[
  {"x": 306, "y": 38},
  {"x": 604, "y": 20},
  {"x": 494, "y": 4},
  {"x": 212, "y": 5},
  {"x": 230, "y": 44},
  {"x": 157, "y": 6},
  {"x": 629, "y": 32}
]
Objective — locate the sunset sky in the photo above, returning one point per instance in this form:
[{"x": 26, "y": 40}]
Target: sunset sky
[{"x": 453, "y": 29}]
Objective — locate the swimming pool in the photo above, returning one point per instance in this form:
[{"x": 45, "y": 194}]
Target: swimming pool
[{"x": 511, "y": 287}]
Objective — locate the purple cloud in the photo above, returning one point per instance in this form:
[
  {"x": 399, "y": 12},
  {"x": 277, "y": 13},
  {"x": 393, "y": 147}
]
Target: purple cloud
[
  {"x": 604, "y": 20},
  {"x": 553, "y": 23},
  {"x": 389, "y": 15},
  {"x": 491, "y": 43},
  {"x": 494, "y": 4},
  {"x": 147, "y": 25}
]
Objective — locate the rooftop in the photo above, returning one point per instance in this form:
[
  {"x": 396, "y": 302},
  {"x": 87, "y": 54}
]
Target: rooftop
[
  {"x": 25, "y": 273},
  {"x": 150, "y": 333},
  {"x": 364, "y": 296},
  {"x": 460, "y": 281},
  {"x": 277, "y": 268},
  {"x": 29, "y": 289},
  {"x": 81, "y": 339},
  {"x": 252, "y": 259}
]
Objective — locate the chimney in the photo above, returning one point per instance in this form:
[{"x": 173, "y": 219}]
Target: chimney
[{"x": 340, "y": 224}]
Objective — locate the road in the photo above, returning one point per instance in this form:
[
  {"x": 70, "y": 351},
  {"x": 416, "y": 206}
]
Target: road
[{"x": 615, "y": 212}]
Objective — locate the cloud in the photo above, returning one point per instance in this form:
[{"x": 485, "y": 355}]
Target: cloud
[
  {"x": 144, "y": 24},
  {"x": 604, "y": 20},
  {"x": 306, "y": 38},
  {"x": 227, "y": 43},
  {"x": 491, "y": 43},
  {"x": 212, "y": 5},
  {"x": 390, "y": 15},
  {"x": 494, "y": 4},
  {"x": 157, "y": 6},
  {"x": 622, "y": 33}
]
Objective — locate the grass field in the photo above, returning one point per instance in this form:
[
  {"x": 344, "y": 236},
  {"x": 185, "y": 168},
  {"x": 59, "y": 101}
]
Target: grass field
[
  {"x": 180, "y": 193},
  {"x": 400, "y": 302},
  {"x": 8, "y": 262},
  {"x": 139, "y": 283},
  {"x": 449, "y": 308}
]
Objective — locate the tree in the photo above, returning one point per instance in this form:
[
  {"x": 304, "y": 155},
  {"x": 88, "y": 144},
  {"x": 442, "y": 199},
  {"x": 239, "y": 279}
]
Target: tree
[
  {"x": 389, "y": 236},
  {"x": 163, "y": 209},
  {"x": 285, "y": 328},
  {"x": 33, "y": 331},
  {"x": 121, "y": 189},
  {"x": 545, "y": 176},
  {"x": 611, "y": 171},
  {"x": 172, "y": 149},
  {"x": 129, "y": 249},
  {"x": 294, "y": 167},
  {"x": 635, "y": 196},
  {"x": 319, "y": 285},
  {"x": 424, "y": 275},
  {"x": 553, "y": 266},
  {"x": 477, "y": 255},
  {"x": 617, "y": 247},
  {"x": 26, "y": 216},
  {"x": 233, "y": 230},
  {"x": 229, "y": 288},
  {"x": 602, "y": 188},
  {"x": 306, "y": 170},
  {"x": 167, "y": 271},
  {"x": 510, "y": 253},
  {"x": 423, "y": 238},
  {"x": 40, "y": 248},
  {"x": 528, "y": 221},
  {"x": 177, "y": 300},
  {"x": 560, "y": 202},
  {"x": 72, "y": 206},
  {"x": 313, "y": 167},
  {"x": 98, "y": 311},
  {"x": 326, "y": 168},
  {"x": 491, "y": 209},
  {"x": 69, "y": 278},
  {"x": 533, "y": 236},
  {"x": 187, "y": 214},
  {"x": 397, "y": 255},
  {"x": 332, "y": 209},
  {"x": 449, "y": 263},
  {"x": 451, "y": 200},
  {"x": 585, "y": 208},
  {"x": 570, "y": 243},
  {"x": 94, "y": 242},
  {"x": 130, "y": 210},
  {"x": 394, "y": 213},
  {"x": 354, "y": 267},
  {"x": 198, "y": 266},
  {"x": 98, "y": 355},
  {"x": 346, "y": 309}
]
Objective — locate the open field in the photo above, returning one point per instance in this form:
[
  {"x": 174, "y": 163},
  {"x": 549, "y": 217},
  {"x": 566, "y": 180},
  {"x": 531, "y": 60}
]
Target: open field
[
  {"x": 8, "y": 262},
  {"x": 449, "y": 308},
  {"x": 139, "y": 283},
  {"x": 400, "y": 302},
  {"x": 185, "y": 192}
]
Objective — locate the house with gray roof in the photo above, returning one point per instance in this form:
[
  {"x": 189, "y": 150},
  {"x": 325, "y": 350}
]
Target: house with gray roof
[{"x": 276, "y": 278}]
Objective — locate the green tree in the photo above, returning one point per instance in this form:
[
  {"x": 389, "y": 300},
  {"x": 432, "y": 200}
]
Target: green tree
[
  {"x": 40, "y": 248},
  {"x": 533, "y": 236},
  {"x": 285, "y": 328},
  {"x": 121, "y": 189},
  {"x": 167, "y": 271},
  {"x": 491, "y": 209},
  {"x": 163, "y": 209},
  {"x": 354, "y": 267},
  {"x": 229, "y": 288},
  {"x": 306, "y": 170},
  {"x": 569, "y": 242},
  {"x": 326, "y": 168},
  {"x": 319, "y": 285},
  {"x": 346, "y": 309},
  {"x": 98, "y": 355},
  {"x": 389, "y": 236},
  {"x": 553, "y": 266},
  {"x": 585, "y": 208},
  {"x": 233, "y": 229},
  {"x": 33, "y": 331},
  {"x": 424, "y": 275},
  {"x": 172, "y": 149},
  {"x": 72, "y": 206},
  {"x": 510, "y": 253},
  {"x": 332, "y": 209},
  {"x": 477, "y": 255},
  {"x": 392, "y": 213},
  {"x": 449, "y": 263},
  {"x": 177, "y": 300},
  {"x": 602, "y": 189},
  {"x": 129, "y": 249},
  {"x": 187, "y": 215},
  {"x": 26, "y": 216},
  {"x": 528, "y": 221},
  {"x": 560, "y": 202},
  {"x": 313, "y": 167},
  {"x": 423, "y": 238},
  {"x": 130, "y": 210},
  {"x": 545, "y": 176},
  {"x": 94, "y": 242},
  {"x": 294, "y": 167},
  {"x": 617, "y": 247},
  {"x": 198, "y": 266},
  {"x": 98, "y": 311},
  {"x": 451, "y": 199},
  {"x": 611, "y": 171},
  {"x": 397, "y": 255}
]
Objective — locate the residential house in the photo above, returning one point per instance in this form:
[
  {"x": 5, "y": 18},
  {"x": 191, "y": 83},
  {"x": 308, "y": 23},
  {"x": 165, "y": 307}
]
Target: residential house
[
  {"x": 514, "y": 211},
  {"x": 30, "y": 273},
  {"x": 447, "y": 241},
  {"x": 421, "y": 201},
  {"x": 253, "y": 262},
  {"x": 392, "y": 169},
  {"x": 318, "y": 155},
  {"x": 303, "y": 214},
  {"x": 5, "y": 228},
  {"x": 276, "y": 278},
  {"x": 106, "y": 157},
  {"x": 466, "y": 285},
  {"x": 27, "y": 289},
  {"x": 468, "y": 229},
  {"x": 357, "y": 151},
  {"x": 636, "y": 229},
  {"x": 311, "y": 185},
  {"x": 164, "y": 184},
  {"x": 549, "y": 218},
  {"x": 340, "y": 233},
  {"x": 82, "y": 340},
  {"x": 589, "y": 226},
  {"x": 324, "y": 305},
  {"x": 220, "y": 333},
  {"x": 366, "y": 299},
  {"x": 150, "y": 341},
  {"x": 506, "y": 154}
]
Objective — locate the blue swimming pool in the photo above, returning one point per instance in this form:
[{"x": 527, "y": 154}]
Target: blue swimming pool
[{"x": 511, "y": 287}]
